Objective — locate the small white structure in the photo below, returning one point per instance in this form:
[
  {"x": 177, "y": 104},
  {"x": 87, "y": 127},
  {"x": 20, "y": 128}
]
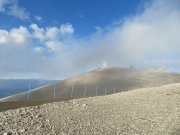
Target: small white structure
[{"x": 105, "y": 65}]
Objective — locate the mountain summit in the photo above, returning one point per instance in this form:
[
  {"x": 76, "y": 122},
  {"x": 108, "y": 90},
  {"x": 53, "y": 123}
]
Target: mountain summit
[{"x": 101, "y": 81}]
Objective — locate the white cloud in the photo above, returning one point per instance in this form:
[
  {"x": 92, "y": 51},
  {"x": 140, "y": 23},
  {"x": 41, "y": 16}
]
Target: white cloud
[
  {"x": 12, "y": 8},
  {"x": 140, "y": 39},
  {"x": 38, "y": 50},
  {"x": 18, "y": 12},
  {"x": 20, "y": 35},
  {"x": 16, "y": 36},
  {"x": 3, "y": 36},
  {"x": 50, "y": 33},
  {"x": 55, "y": 46},
  {"x": 38, "y": 18},
  {"x": 66, "y": 29},
  {"x": 154, "y": 32},
  {"x": 148, "y": 39},
  {"x": 38, "y": 32}
]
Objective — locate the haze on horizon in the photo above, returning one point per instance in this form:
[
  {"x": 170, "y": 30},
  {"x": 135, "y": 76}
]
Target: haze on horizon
[{"x": 74, "y": 39}]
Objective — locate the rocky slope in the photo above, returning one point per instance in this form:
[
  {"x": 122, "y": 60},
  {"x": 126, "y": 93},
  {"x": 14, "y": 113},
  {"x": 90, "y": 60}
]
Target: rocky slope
[
  {"x": 147, "y": 111},
  {"x": 122, "y": 79}
]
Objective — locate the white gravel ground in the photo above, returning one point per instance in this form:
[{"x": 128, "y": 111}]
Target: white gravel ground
[{"x": 152, "y": 111}]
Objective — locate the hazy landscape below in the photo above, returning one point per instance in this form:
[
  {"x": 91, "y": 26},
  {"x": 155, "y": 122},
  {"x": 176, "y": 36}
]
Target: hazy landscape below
[{"x": 10, "y": 87}]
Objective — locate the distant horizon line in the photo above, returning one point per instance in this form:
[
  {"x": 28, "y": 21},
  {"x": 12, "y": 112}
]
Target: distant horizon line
[{"x": 172, "y": 70}]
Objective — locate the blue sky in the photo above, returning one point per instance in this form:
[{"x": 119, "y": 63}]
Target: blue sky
[
  {"x": 55, "y": 39},
  {"x": 85, "y": 15}
]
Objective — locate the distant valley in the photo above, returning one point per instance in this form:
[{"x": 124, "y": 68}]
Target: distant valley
[{"x": 10, "y": 87}]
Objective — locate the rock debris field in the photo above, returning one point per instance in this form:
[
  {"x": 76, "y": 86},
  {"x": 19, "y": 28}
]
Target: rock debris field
[{"x": 148, "y": 111}]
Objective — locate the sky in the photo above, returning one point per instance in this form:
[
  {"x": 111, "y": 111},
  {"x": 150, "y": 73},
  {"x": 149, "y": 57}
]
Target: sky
[{"x": 56, "y": 39}]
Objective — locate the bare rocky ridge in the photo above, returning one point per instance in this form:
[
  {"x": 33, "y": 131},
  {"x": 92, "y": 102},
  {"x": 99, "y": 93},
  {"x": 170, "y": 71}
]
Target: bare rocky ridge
[
  {"x": 122, "y": 79},
  {"x": 152, "y": 111}
]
